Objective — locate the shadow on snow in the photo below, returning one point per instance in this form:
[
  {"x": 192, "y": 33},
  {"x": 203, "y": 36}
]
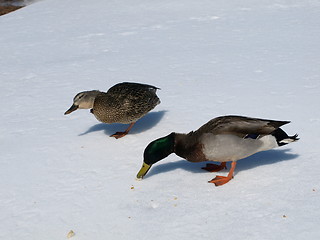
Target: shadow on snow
[
  {"x": 148, "y": 121},
  {"x": 258, "y": 159}
]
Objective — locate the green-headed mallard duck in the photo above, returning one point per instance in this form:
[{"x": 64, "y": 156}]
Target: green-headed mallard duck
[
  {"x": 223, "y": 139},
  {"x": 123, "y": 103}
]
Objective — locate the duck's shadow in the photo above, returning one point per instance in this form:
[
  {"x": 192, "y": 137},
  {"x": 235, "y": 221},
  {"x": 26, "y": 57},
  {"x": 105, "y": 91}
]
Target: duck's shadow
[
  {"x": 258, "y": 159},
  {"x": 143, "y": 124}
]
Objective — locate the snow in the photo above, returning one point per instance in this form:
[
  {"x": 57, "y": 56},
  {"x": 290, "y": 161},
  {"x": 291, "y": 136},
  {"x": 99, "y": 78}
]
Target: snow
[{"x": 210, "y": 58}]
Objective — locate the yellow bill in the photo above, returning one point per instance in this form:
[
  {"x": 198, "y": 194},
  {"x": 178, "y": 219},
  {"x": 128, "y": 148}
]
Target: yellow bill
[{"x": 143, "y": 171}]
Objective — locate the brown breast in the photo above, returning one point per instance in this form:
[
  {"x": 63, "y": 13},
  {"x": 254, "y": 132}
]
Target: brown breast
[{"x": 188, "y": 148}]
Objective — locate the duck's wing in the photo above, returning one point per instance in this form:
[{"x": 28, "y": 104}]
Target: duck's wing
[
  {"x": 125, "y": 87},
  {"x": 134, "y": 94},
  {"x": 132, "y": 100},
  {"x": 240, "y": 126}
]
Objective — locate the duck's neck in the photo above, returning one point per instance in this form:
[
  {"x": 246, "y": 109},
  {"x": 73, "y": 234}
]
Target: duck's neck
[
  {"x": 188, "y": 147},
  {"x": 181, "y": 145},
  {"x": 89, "y": 99}
]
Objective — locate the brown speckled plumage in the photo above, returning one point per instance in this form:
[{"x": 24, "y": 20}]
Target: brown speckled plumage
[{"x": 125, "y": 103}]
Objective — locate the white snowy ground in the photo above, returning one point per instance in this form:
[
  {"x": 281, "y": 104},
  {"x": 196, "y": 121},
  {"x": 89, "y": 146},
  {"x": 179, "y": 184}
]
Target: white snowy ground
[{"x": 210, "y": 58}]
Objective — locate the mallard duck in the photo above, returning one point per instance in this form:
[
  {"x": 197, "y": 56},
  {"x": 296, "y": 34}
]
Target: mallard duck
[
  {"x": 123, "y": 103},
  {"x": 222, "y": 139}
]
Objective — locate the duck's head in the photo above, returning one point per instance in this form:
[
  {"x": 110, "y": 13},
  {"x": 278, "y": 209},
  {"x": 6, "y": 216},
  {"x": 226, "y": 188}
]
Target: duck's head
[
  {"x": 83, "y": 100},
  {"x": 156, "y": 151}
]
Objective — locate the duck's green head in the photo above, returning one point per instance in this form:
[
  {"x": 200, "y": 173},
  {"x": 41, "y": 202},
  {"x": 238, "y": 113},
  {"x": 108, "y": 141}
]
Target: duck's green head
[{"x": 156, "y": 151}]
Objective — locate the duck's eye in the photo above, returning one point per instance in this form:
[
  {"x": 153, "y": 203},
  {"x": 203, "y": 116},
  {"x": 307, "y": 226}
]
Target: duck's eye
[
  {"x": 80, "y": 96},
  {"x": 77, "y": 98}
]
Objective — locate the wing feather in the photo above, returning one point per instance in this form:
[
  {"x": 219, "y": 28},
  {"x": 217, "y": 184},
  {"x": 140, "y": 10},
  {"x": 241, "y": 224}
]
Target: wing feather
[{"x": 240, "y": 126}]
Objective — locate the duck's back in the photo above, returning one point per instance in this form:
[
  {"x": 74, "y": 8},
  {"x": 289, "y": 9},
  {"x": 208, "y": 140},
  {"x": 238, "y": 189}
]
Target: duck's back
[
  {"x": 228, "y": 138},
  {"x": 240, "y": 126},
  {"x": 125, "y": 103}
]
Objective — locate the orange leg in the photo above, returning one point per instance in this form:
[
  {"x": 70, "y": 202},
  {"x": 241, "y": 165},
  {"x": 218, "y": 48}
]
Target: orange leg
[
  {"x": 210, "y": 167},
  {"x": 220, "y": 180},
  {"x": 122, "y": 134}
]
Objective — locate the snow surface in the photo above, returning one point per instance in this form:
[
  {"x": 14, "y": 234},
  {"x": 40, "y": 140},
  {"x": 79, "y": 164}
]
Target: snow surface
[{"x": 210, "y": 58}]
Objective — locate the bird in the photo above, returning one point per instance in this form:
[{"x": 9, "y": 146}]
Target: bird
[
  {"x": 222, "y": 139},
  {"x": 124, "y": 103}
]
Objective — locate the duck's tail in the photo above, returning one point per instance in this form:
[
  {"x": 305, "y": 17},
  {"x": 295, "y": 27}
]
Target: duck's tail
[{"x": 283, "y": 138}]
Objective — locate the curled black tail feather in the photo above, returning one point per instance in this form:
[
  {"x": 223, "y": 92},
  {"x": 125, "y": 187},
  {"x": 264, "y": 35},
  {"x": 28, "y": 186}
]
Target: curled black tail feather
[
  {"x": 283, "y": 138},
  {"x": 295, "y": 137}
]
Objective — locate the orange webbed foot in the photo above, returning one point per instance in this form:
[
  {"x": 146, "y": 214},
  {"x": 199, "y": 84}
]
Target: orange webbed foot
[
  {"x": 210, "y": 167},
  {"x": 122, "y": 134},
  {"x": 119, "y": 134},
  {"x": 220, "y": 180}
]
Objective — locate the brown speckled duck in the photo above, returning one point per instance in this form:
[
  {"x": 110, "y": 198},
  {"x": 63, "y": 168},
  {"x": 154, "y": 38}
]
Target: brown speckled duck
[
  {"x": 223, "y": 139},
  {"x": 123, "y": 103}
]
